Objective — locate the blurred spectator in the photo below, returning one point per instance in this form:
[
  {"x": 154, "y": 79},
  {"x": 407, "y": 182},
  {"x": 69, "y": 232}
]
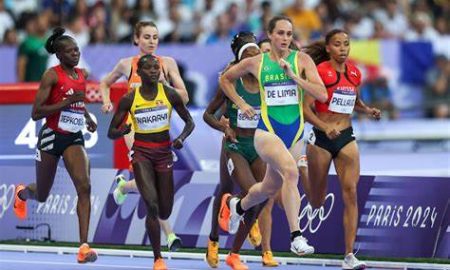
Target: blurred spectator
[
  {"x": 81, "y": 8},
  {"x": 59, "y": 10},
  {"x": 422, "y": 29},
  {"x": 10, "y": 37},
  {"x": 19, "y": 7},
  {"x": 306, "y": 22},
  {"x": 145, "y": 10},
  {"x": 223, "y": 32},
  {"x": 437, "y": 91},
  {"x": 393, "y": 20},
  {"x": 379, "y": 32},
  {"x": 376, "y": 93},
  {"x": 98, "y": 35},
  {"x": 6, "y": 20},
  {"x": 120, "y": 15},
  {"x": 32, "y": 56},
  {"x": 359, "y": 26}
]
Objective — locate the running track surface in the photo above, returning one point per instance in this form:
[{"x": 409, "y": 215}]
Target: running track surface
[{"x": 53, "y": 261}]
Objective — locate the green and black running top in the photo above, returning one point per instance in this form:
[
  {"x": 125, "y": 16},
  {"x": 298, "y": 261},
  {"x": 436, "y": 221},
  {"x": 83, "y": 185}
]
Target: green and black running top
[
  {"x": 281, "y": 100},
  {"x": 239, "y": 119}
]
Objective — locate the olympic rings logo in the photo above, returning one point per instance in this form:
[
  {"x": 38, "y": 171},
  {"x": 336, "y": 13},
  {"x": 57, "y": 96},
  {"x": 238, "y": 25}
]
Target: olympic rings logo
[
  {"x": 6, "y": 198},
  {"x": 315, "y": 217}
]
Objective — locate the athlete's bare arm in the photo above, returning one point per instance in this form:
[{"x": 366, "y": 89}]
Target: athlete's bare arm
[
  {"x": 313, "y": 83},
  {"x": 179, "y": 106},
  {"x": 116, "y": 129},
  {"x": 228, "y": 79},
  {"x": 175, "y": 78},
  {"x": 40, "y": 109},
  {"x": 123, "y": 68},
  {"x": 311, "y": 117},
  {"x": 361, "y": 107}
]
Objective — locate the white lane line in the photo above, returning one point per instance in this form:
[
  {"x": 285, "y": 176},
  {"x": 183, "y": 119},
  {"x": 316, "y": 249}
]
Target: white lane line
[{"x": 84, "y": 265}]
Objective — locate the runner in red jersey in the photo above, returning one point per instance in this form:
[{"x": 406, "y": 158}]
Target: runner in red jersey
[
  {"x": 332, "y": 138},
  {"x": 60, "y": 99}
]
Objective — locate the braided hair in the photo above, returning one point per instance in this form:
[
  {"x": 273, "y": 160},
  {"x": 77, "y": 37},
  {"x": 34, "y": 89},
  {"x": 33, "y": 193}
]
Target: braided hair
[
  {"x": 54, "y": 42},
  {"x": 239, "y": 40}
]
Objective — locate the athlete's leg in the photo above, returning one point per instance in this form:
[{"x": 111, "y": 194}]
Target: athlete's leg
[
  {"x": 281, "y": 167},
  {"x": 265, "y": 225},
  {"x": 146, "y": 182},
  {"x": 46, "y": 168},
  {"x": 319, "y": 161},
  {"x": 225, "y": 186},
  {"x": 77, "y": 165},
  {"x": 347, "y": 168},
  {"x": 242, "y": 174},
  {"x": 46, "y": 165}
]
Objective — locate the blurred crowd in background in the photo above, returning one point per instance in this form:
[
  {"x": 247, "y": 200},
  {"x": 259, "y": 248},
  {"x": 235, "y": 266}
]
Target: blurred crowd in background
[{"x": 27, "y": 23}]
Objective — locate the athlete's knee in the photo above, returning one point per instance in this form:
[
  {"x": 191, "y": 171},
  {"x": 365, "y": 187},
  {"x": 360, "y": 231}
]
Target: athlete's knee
[
  {"x": 349, "y": 193},
  {"x": 164, "y": 212},
  {"x": 152, "y": 209},
  {"x": 83, "y": 188},
  {"x": 317, "y": 201},
  {"x": 289, "y": 172}
]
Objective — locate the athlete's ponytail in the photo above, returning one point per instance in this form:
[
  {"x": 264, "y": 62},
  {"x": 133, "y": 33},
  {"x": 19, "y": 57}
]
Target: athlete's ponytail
[
  {"x": 53, "y": 43},
  {"x": 317, "y": 50}
]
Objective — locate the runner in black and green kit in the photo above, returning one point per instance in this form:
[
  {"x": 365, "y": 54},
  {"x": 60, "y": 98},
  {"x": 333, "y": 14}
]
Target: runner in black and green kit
[
  {"x": 277, "y": 137},
  {"x": 239, "y": 160}
]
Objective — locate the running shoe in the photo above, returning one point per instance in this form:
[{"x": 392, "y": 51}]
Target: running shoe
[
  {"x": 254, "y": 236},
  {"x": 159, "y": 264},
  {"x": 268, "y": 260},
  {"x": 224, "y": 212},
  {"x": 234, "y": 262},
  {"x": 173, "y": 242},
  {"x": 300, "y": 246},
  {"x": 351, "y": 262},
  {"x": 212, "y": 254},
  {"x": 118, "y": 196},
  {"x": 86, "y": 254},
  {"x": 20, "y": 206}
]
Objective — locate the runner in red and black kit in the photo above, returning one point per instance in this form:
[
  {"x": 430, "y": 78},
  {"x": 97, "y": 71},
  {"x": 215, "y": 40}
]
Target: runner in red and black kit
[
  {"x": 332, "y": 138},
  {"x": 60, "y": 99}
]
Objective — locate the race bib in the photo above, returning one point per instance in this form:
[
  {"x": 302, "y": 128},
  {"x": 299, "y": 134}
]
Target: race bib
[
  {"x": 281, "y": 93},
  {"x": 342, "y": 101},
  {"x": 243, "y": 121},
  {"x": 71, "y": 121},
  {"x": 152, "y": 118}
]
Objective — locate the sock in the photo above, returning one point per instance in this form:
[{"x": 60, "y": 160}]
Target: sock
[
  {"x": 239, "y": 209},
  {"x": 295, "y": 234}
]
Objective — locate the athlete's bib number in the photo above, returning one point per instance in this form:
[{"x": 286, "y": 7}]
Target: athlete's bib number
[
  {"x": 71, "y": 121},
  {"x": 244, "y": 121},
  {"x": 280, "y": 94},
  {"x": 342, "y": 102},
  {"x": 154, "y": 118}
]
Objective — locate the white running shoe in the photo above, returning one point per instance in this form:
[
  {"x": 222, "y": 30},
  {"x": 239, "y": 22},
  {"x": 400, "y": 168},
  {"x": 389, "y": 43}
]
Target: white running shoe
[
  {"x": 300, "y": 246},
  {"x": 235, "y": 218},
  {"x": 351, "y": 262}
]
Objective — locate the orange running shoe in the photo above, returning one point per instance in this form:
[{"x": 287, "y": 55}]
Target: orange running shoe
[
  {"x": 224, "y": 213},
  {"x": 268, "y": 260},
  {"x": 160, "y": 265},
  {"x": 212, "y": 254},
  {"x": 86, "y": 254},
  {"x": 254, "y": 236},
  {"x": 234, "y": 262},
  {"x": 20, "y": 206}
]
